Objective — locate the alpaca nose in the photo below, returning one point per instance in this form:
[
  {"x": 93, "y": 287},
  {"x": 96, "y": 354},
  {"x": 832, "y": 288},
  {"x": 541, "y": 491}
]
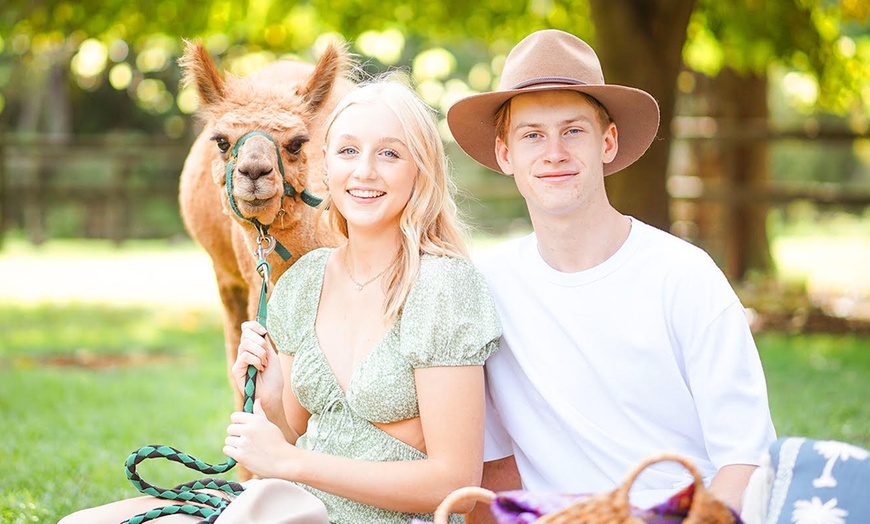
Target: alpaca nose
[
  {"x": 255, "y": 172},
  {"x": 255, "y": 167},
  {"x": 256, "y": 158}
]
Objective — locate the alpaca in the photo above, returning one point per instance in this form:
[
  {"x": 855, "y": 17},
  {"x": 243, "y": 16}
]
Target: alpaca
[{"x": 286, "y": 102}]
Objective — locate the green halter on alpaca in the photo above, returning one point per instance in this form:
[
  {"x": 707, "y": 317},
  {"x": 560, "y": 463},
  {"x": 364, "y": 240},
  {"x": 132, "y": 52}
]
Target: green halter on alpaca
[{"x": 289, "y": 190}]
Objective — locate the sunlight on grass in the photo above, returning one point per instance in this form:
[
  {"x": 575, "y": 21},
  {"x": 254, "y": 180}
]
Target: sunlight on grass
[
  {"x": 830, "y": 254},
  {"x": 91, "y": 248},
  {"x": 827, "y": 264},
  {"x": 147, "y": 271},
  {"x": 829, "y": 258},
  {"x": 29, "y": 330},
  {"x": 75, "y": 424}
]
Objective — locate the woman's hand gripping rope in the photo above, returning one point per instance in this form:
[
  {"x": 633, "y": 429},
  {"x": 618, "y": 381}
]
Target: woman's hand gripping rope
[
  {"x": 200, "y": 503},
  {"x": 252, "y": 438}
]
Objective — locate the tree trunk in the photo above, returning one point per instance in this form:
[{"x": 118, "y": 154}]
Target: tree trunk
[
  {"x": 640, "y": 45},
  {"x": 46, "y": 110},
  {"x": 739, "y": 103}
]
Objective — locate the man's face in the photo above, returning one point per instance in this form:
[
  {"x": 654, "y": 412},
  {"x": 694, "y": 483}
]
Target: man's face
[{"x": 555, "y": 149}]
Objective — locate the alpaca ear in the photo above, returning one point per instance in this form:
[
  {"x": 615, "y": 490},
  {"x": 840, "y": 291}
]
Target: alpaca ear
[
  {"x": 201, "y": 72},
  {"x": 333, "y": 63}
]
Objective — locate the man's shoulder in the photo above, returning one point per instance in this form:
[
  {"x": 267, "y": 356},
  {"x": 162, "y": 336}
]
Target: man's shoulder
[
  {"x": 678, "y": 262},
  {"x": 668, "y": 245}
]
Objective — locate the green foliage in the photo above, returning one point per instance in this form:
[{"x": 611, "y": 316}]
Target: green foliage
[
  {"x": 118, "y": 18},
  {"x": 111, "y": 48},
  {"x": 79, "y": 67},
  {"x": 117, "y": 47},
  {"x": 746, "y": 35},
  {"x": 827, "y": 40},
  {"x": 751, "y": 33},
  {"x": 282, "y": 24}
]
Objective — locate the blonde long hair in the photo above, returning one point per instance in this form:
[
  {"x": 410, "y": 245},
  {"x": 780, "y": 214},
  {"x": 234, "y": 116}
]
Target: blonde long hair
[{"x": 430, "y": 222}]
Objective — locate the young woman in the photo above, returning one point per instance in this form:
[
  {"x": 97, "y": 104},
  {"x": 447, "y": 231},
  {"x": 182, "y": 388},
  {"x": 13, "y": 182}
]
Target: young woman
[{"x": 374, "y": 401}]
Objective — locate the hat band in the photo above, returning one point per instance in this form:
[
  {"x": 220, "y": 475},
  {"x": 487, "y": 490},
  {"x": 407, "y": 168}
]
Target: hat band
[{"x": 548, "y": 80}]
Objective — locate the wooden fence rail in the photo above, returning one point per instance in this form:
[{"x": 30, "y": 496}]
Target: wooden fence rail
[
  {"x": 119, "y": 186},
  {"x": 109, "y": 186},
  {"x": 727, "y": 174}
]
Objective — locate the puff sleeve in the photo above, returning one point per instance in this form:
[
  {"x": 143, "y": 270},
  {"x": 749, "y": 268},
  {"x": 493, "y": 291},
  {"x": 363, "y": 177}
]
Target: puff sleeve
[
  {"x": 293, "y": 302},
  {"x": 449, "y": 318}
]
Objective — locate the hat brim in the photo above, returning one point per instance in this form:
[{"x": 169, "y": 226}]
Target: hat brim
[{"x": 635, "y": 113}]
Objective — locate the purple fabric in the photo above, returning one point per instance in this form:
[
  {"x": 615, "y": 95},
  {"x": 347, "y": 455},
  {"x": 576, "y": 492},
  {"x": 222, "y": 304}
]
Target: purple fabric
[
  {"x": 520, "y": 507},
  {"x": 523, "y": 507}
]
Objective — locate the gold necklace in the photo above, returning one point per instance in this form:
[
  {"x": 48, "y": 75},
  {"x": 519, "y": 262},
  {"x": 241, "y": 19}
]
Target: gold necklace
[{"x": 360, "y": 286}]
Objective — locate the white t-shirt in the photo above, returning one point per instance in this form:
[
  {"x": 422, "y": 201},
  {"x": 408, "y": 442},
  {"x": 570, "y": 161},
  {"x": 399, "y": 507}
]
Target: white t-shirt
[{"x": 650, "y": 351}]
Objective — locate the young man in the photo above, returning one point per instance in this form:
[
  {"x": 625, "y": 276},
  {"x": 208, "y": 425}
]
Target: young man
[{"x": 620, "y": 341}]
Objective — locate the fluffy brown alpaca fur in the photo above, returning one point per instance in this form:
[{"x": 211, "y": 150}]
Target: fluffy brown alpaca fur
[{"x": 289, "y": 100}]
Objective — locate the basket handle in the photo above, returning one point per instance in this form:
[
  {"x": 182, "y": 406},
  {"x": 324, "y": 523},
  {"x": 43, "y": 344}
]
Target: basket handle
[
  {"x": 615, "y": 502},
  {"x": 625, "y": 487},
  {"x": 614, "y": 506},
  {"x": 461, "y": 495}
]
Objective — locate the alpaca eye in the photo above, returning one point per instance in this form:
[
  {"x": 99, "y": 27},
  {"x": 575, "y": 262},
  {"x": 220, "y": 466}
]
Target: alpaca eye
[
  {"x": 222, "y": 143},
  {"x": 295, "y": 145}
]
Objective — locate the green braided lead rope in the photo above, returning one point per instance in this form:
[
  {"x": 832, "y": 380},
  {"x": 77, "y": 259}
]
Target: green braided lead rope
[{"x": 212, "y": 505}]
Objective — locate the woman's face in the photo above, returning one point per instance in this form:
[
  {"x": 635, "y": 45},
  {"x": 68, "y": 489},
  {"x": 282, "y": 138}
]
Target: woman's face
[{"x": 371, "y": 172}]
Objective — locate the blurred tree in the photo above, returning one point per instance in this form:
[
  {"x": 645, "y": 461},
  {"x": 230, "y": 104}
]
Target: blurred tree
[
  {"x": 640, "y": 45},
  {"x": 735, "y": 44},
  {"x": 64, "y": 62}
]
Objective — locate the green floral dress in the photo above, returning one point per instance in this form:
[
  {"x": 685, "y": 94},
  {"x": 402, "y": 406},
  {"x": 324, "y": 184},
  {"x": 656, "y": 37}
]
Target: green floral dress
[{"x": 449, "y": 319}]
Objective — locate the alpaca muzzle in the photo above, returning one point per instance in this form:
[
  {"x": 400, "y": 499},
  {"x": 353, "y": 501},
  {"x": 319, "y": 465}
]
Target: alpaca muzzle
[{"x": 258, "y": 166}]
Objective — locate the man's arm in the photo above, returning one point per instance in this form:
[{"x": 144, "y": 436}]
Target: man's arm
[
  {"x": 498, "y": 475},
  {"x": 729, "y": 484}
]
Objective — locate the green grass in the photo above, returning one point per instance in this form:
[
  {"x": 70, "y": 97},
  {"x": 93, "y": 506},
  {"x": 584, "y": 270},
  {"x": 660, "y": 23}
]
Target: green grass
[
  {"x": 14, "y": 245},
  {"x": 69, "y": 428},
  {"x": 818, "y": 385},
  {"x": 29, "y": 332}
]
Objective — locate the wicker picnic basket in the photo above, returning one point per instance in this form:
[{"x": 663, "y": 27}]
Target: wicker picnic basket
[{"x": 611, "y": 507}]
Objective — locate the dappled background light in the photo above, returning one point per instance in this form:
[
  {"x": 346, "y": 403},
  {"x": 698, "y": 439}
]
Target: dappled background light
[
  {"x": 781, "y": 84},
  {"x": 387, "y": 46}
]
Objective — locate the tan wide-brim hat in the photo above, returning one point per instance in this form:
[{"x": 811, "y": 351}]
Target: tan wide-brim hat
[{"x": 555, "y": 60}]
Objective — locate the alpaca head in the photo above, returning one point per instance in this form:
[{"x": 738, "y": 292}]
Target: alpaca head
[{"x": 281, "y": 104}]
